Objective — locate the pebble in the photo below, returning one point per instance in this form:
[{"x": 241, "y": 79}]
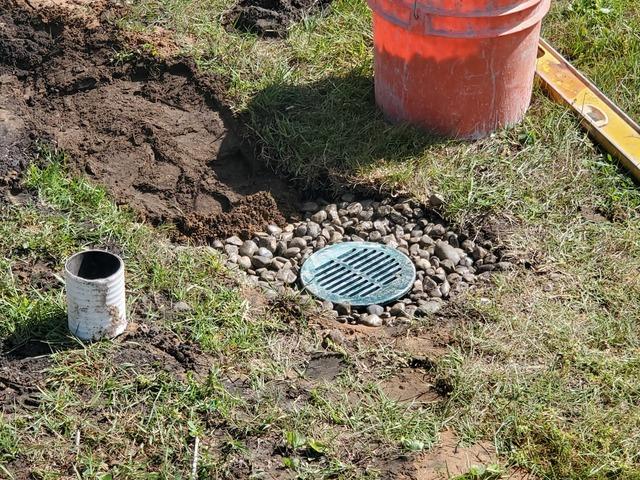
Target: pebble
[
  {"x": 319, "y": 217},
  {"x": 264, "y": 252},
  {"x": 313, "y": 229},
  {"x": 261, "y": 262},
  {"x": 371, "y": 320},
  {"x": 343, "y": 308},
  {"x": 245, "y": 262},
  {"x": 248, "y": 248},
  {"x": 298, "y": 243},
  {"x": 274, "y": 230},
  {"x": 268, "y": 243},
  {"x": 286, "y": 276},
  {"x": 445, "y": 251},
  {"x": 291, "y": 252},
  {"x": 234, "y": 241},
  {"x": 375, "y": 310}
]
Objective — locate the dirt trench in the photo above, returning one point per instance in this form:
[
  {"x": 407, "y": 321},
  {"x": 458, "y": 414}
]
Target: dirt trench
[{"x": 153, "y": 132}]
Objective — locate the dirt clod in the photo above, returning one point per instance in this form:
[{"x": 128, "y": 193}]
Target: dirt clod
[{"x": 270, "y": 18}]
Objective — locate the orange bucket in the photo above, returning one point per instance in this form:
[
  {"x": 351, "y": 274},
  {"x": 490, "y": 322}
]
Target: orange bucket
[{"x": 459, "y": 68}]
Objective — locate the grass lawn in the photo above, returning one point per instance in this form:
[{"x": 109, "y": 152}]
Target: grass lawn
[{"x": 544, "y": 365}]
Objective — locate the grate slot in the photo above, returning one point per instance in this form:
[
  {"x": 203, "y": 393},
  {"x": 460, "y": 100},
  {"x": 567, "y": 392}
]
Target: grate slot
[{"x": 355, "y": 291}]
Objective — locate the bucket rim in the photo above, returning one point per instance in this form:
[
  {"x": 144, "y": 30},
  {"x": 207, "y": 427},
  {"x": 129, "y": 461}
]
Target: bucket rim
[{"x": 426, "y": 7}]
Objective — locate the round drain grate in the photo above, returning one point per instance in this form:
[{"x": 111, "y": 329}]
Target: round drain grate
[{"x": 358, "y": 273}]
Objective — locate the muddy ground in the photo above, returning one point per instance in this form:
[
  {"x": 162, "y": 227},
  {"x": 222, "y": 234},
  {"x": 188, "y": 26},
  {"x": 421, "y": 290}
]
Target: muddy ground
[{"x": 153, "y": 132}]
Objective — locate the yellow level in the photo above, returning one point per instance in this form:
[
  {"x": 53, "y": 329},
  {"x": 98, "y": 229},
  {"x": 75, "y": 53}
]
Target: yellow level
[{"x": 610, "y": 126}]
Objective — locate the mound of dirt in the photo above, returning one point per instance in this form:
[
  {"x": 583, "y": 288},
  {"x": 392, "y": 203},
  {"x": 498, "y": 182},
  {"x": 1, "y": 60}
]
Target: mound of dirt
[
  {"x": 270, "y": 18},
  {"x": 153, "y": 132}
]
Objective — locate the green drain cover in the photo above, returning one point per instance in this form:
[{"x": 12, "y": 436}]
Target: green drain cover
[{"x": 358, "y": 273}]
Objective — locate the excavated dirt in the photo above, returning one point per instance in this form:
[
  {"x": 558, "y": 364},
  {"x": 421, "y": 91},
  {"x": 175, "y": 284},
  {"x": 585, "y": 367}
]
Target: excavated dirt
[
  {"x": 270, "y": 18},
  {"x": 153, "y": 132}
]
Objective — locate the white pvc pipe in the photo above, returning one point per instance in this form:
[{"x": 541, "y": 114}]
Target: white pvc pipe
[{"x": 95, "y": 295}]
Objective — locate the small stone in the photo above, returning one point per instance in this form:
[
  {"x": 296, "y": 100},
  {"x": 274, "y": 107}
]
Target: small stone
[
  {"x": 478, "y": 253},
  {"x": 468, "y": 246},
  {"x": 429, "y": 284},
  {"x": 445, "y": 251},
  {"x": 469, "y": 278},
  {"x": 218, "y": 244},
  {"x": 327, "y": 304},
  {"x": 354, "y": 209},
  {"x": 274, "y": 230},
  {"x": 435, "y": 293},
  {"x": 281, "y": 247},
  {"x": 291, "y": 252},
  {"x": 321, "y": 243},
  {"x": 264, "y": 252},
  {"x": 505, "y": 266},
  {"x": 423, "y": 264},
  {"x": 301, "y": 230},
  {"x": 366, "y": 215},
  {"x": 343, "y": 308},
  {"x": 437, "y": 231},
  {"x": 375, "y": 236},
  {"x": 448, "y": 265},
  {"x": 445, "y": 288},
  {"x": 453, "y": 277},
  {"x": 313, "y": 229},
  {"x": 430, "y": 307},
  {"x": 375, "y": 310},
  {"x": 286, "y": 276},
  {"x": 277, "y": 264},
  {"x": 261, "y": 262},
  {"x": 268, "y": 243},
  {"x": 298, "y": 242},
  {"x": 319, "y": 217},
  {"x": 335, "y": 237},
  {"x": 397, "y": 310},
  {"x": 181, "y": 307},
  {"x": 248, "y": 248},
  {"x": 234, "y": 241},
  {"x": 417, "y": 286},
  {"x": 309, "y": 207},
  {"x": 371, "y": 320},
  {"x": 397, "y": 218},
  {"x": 244, "y": 262},
  {"x": 381, "y": 226}
]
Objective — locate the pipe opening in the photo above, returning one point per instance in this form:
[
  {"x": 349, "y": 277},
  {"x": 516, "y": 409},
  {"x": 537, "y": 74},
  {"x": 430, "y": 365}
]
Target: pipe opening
[{"x": 93, "y": 265}]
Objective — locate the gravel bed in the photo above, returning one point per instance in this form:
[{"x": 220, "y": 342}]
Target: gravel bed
[{"x": 447, "y": 263}]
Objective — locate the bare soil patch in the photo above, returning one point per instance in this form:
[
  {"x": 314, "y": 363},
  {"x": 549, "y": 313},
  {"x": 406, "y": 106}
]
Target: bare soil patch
[
  {"x": 450, "y": 459},
  {"x": 270, "y": 18},
  {"x": 153, "y": 132}
]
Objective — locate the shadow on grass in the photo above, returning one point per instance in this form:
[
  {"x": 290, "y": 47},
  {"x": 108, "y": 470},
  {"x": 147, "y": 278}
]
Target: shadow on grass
[
  {"x": 41, "y": 330},
  {"x": 322, "y": 133}
]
